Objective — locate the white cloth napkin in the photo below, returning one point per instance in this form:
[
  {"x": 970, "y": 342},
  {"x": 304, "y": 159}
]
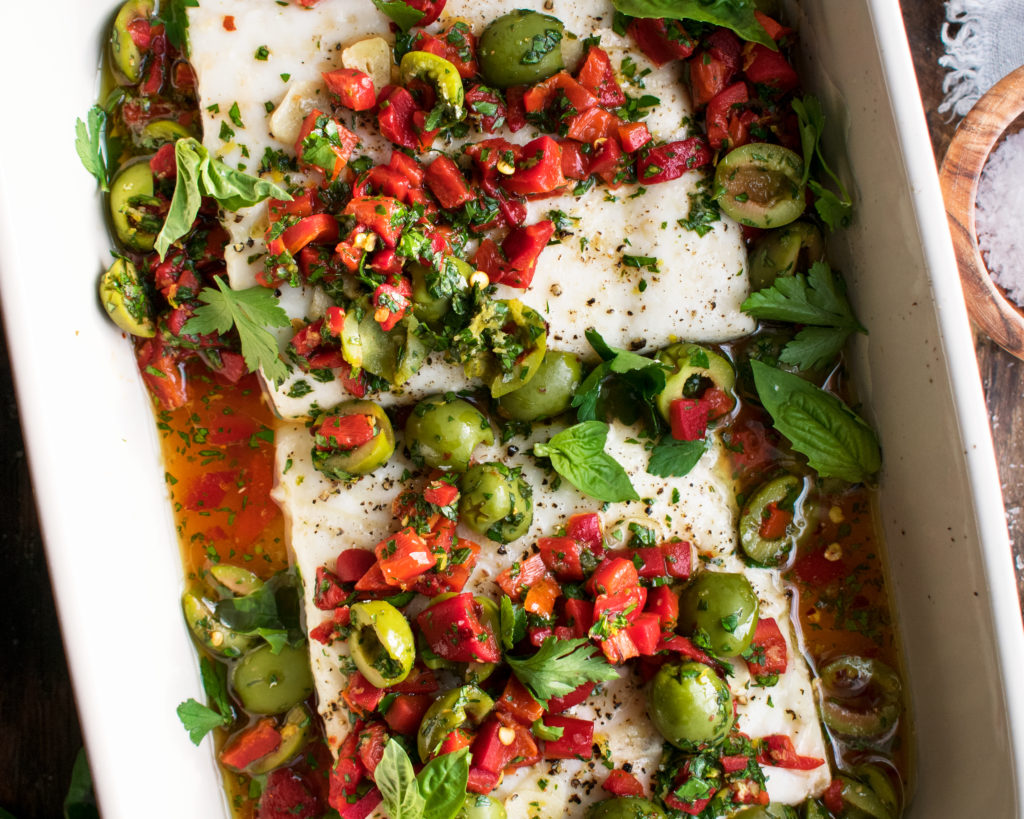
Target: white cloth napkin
[{"x": 984, "y": 42}]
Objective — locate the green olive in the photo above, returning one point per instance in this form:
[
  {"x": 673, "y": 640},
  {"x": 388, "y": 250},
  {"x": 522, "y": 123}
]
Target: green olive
[
  {"x": 161, "y": 131},
  {"x": 548, "y": 393},
  {"x": 443, "y": 76},
  {"x": 496, "y": 501},
  {"x": 295, "y": 733},
  {"x": 761, "y": 185},
  {"x": 694, "y": 369},
  {"x": 520, "y": 48},
  {"x": 126, "y": 57},
  {"x": 814, "y": 810},
  {"x": 625, "y": 807},
  {"x": 211, "y": 632},
  {"x": 443, "y": 431},
  {"x": 765, "y": 812},
  {"x": 381, "y": 643},
  {"x": 783, "y": 252},
  {"x": 342, "y": 464},
  {"x": 269, "y": 683},
  {"x": 861, "y": 697},
  {"x": 123, "y": 296},
  {"x": 511, "y": 339},
  {"x": 236, "y": 579},
  {"x": 861, "y": 801},
  {"x": 720, "y": 610},
  {"x": 481, "y": 806},
  {"x": 131, "y": 203},
  {"x": 432, "y": 290},
  {"x": 690, "y": 706},
  {"x": 448, "y": 712},
  {"x": 395, "y": 355},
  {"x": 787, "y": 493}
]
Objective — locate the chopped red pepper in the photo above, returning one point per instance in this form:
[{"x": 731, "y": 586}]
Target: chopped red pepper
[
  {"x": 579, "y": 614},
  {"x": 688, "y": 418},
  {"x": 661, "y": 40},
  {"x": 253, "y": 743},
  {"x": 384, "y": 215},
  {"x": 354, "y": 88},
  {"x": 592, "y": 125},
  {"x": 328, "y": 593},
  {"x": 778, "y": 750},
  {"x": 645, "y": 633},
  {"x": 556, "y": 705},
  {"x": 538, "y": 169},
  {"x": 541, "y": 596},
  {"x": 768, "y": 650},
  {"x": 406, "y": 712},
  {"x": 664, "y": 603},
  {"x": 404, "y": 556},
  {"x": 372, "y": 740},
  {"x": 395, "y": 117},
  {"x": 725, "y": 125},
  {"x": 519, "y": 702},
  {"x": 347, "y": 771},
  {"x": 671, "y": 161},
  {"x": 768, "y": 68},
  {"x": 539, "y": 96},
  {"x": 597, "y": 76},
  {"x": 633, "y": 136},
  {"x": 345, "y": 432},
  {"x": 586, "y": 528},
  {"x": 774, "y": 522},
  {"x": 453, "y": 631},
  {"x": 614, "y": 575},
  {"x": 562, "y": 557},
  {"x": 287, "y": 795},
  {"x": 447, "y": 183},
  {"x": 521, "y": 575},
  {"x": 621, "y": 783},
  {"x": 393, "y": 301},
  {"x": 373, "y": 581},
  {"x": 486, "y": 107},
  {"x": 362, "y": 696},
  {"x": 833, "y": 796},
  {"x": 324, "y": 143},
  {"x": 576, "y": 742}
]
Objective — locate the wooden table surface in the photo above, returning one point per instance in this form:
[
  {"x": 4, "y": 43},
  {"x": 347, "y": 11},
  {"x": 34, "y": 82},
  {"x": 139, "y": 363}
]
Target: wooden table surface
[{"x": 39, "y": 731}]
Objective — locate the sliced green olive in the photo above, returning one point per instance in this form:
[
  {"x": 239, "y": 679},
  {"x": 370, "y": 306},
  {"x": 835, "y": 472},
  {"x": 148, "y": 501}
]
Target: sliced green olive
[
  {"x": 625, "y": 807},
  {"x": 511, "y": 339},
  {"x": 236, "y": 579},
  {"x": 341, "y": 464},
  {"x": 442, "y": 432},
  {"x": 396, "y": 355},
  {"x": 295, "y": 733},
  {"x": 448, "y": 712},
  {"x": 123, "y": 296},
  {"x": 690, "y": 705},
  {"x": 432, "y": 290},
  {"x": 496, "y": 501},
  {"x": 784, "y": 252},
  {"x": 131, "y": 207},
  {"x": 520, "y": 48},
  {"x": 814, "y": 810},
  {"x": 548, "y": 393},
  {"x": 720, "y": 611},
  {"x": 861, "y": 801},
  {"x": 481, "y": 806},
  {"x": 770, "y": 548},
  {"x": 761, "y": 185},
  {"x": 881, "y": 784},
  {"x": 161, "y": 131},
  {"x": 381, "y": 643},
  {"x": 211, "y": 632},
  {"x": 861, "y": 697},
  {"x": 443, "y": 76},
  {"x": 765, "y": 812},
  {"x": 694, "y": 370},
  {"x": 269, "y": 683},
  {"x": 126, "y": 57}
]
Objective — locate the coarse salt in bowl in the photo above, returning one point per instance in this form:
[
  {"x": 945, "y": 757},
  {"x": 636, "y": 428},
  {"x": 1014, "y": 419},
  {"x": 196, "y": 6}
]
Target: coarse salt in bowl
[{"x": 999, "y": 216}]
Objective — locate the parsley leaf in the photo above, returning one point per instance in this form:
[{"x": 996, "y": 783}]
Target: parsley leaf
[
  {"x": 674, "y": 459},
  {"x": 199, "y": 720},
  {"x": 250, "y": 312},
  {"x": 703, "y": 214},
  {"x": 737, "y": 15},
  {"x": 548, "y": 733},
  {"x": 835, "y": 210},
  {"x": 560, "y": 667},
  {"x": 817, "y": 299},
  {"x": 404, "y": 15},
  {"x": 513, "y": 623},
  {"x": 174, "y": 16},
  {"x": 578, "y": 455},
  {"x": 89, "y": 137},
  {"x": 541, "y": 46}
]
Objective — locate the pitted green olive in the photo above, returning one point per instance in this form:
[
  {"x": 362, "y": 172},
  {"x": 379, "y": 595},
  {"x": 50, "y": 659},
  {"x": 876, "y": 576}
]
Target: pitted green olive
[
  {"x": 432, "y": 290},
  {"x": 443, "y": 76},
  {"x": 861, "y": 801},
  {"x": 761, "y": 185},
  {"x": 625, "y": 807},
  {"x": 548, "y": 393},
  {"x": 481, "y": 806},
  {"x": 123, "y": 296},
  {"x": 237, "y": 580},
  {"x": 448, "y": 712},
  {"x": 783, "y": 252},
  {"x": 690, "y": 705},
  {"x": 161, "y": 131},
  {"x": 269, "y": 683},
  {"x": 295, "y": 733},
  {"x": 773, "y": 522},
  {"x": 860, "y": 697},
  {"x": 381, "y": 643},
  {"x": 765, "y": 812},
  {"x": 211, "y": 632},
  {"x": 720, "y": 611},
  {"x": 396, "y": 354},
  {"x": 126, "y": 57},
  {"x": 133, "y": 207},
  {"x": 443, "y": 431},
  {"x": 881, "y": 784},
  {"x": 509, "y": 342},
  {"x": 341, "y": 450},
  {"x": 520, "y": 48},
  {"x": 814, "y": 810},
  {"x": 496, "y": 501},
  {"x": 694, "y": 369}
]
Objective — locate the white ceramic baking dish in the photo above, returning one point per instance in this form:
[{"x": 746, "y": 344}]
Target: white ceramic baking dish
[{"x": 107, "y": 523}]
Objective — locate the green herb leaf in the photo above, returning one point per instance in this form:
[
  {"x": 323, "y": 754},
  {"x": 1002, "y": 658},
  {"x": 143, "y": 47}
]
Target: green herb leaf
[
  {"x": 90, "y": 145},
  {"x": 674, "y": 459},
  {"x": 80, "y": 801},
  {"x": 199, "y": 720},
  {"x": 201, "y": 175},
  {"x": 541, "y": 45},
  {"x": 835, "y": 210},
  {"x": 272, "y": 611},
  {"x": 397, "y": 783},
  {"x": 404, "y": 15},
  {"x": 736, "y": 15},
  {"x": 837, "y": 442},
  {"x": 215, "y": 684},
  {"x": 578, "y": 455},
  {"x": 250, "y": 312},
  {"x": 513, "y": 623},
  {"x": 442, "y": 784},
  {"x": 560, "y": 667},
  {"x": 174, "y": 16},
  {"x": 703, "y": 214},
  {"x": 548, "y": 733}
]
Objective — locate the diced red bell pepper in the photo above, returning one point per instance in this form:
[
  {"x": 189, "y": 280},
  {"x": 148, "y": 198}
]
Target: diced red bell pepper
[
  {"x": 688, "y": 418},
  {"x": 576, "y": 742},
  {"x": 671, "y": 161},
  {"x": 164, "y": 164},
  {"x": 431, "y": 10},
  {"x": 408, "y": 167},
  {"x": 395, "y": 117},
  {"x": 489, "y": 752},
  {"x": 733, "y": 763},
  {"x": 671, "y": 800},
  {"x": 287, "y": 794},
  {"x": 586, "y": 528},
  {"x": 372, "y": 740},
  {"x": 619, "y": 647},
  {"x": 775, "y": 29},
  {"x": 406, "y": 712},
  {"x": 541, "y": 596},
  {"x": 447, "y": 183},
  {"x": 424, "y": 138},
  {"x": 597, "y": 76},
  {"x": 373, "y": 581},
  {"x": 768, "y": 650},
  {"x": 482, "y": 781},
  {"x": 664, "y": 603},
  {"x": 620, "y": 783},
  {"x": 519, "y": 702},
  {"x": 346, "y": 432},
  {"x": 486, "y": 106},
  {"x": 384, "y": 215},
  {"x": 538, "y": 634},
  {"x": 774, "y": 522},
  {"x": 523, "y": 245},
  {"x": 521, "y": 575},
  {"x": 777, "y": 750},
  {"x": 393, "y": 302},
  {"x": 607, "y": 161},
  {"x": 645, "y": 632},
  {"x": 253, "y": 743},
  {"x": 404, "y": 556},
  {"x": 325, "y": 143},
  {"x": 523, "y": 752},
  {"x": 633, "y": 136},
  {"x": 592, "y": 125},
  {"x": 833, "y": 796},
  {"x": 460, "y": 49},
  {"x": 362, "y": 696},
  {"x": 515, "y": 108},
  {"x": 709, "y": 76},
  {"x": 538, "y": 169},
  {"x": 299, "y": 206},
  {"x": 562, "y": 557},
  {"x": 661, "y": 40},
  {"x": 618, "y": 609},
  {"x": 614, "y": 575},
  {"x": 723, "y": 111},
  {"x": 384, "y": 180},
  {"x": 441, "y": 493},
  {"x": 539, "y": 96},
  {"x": 455, "y": 741},
  {"x": 352, "y": 564},
  {"x": 161, "y": 370},
  {"x": 575, "y": 164},
  {"x": 763, "y": 66},
  {"x": 347, "y": 771},
  {"x": 678, "y": 557},
  {"x": 331, "y": 629},
  {"x": 651, "y": 560},
  {"x": 579, "y": 614},
  {"x": 453, "y": 631},
  {"x": 817, "y": 570},
  {"x": 328, "y": 593},
  {"x": 684, "y": 647},
  {"x": 209, "y": 489},
  {"x": 367, "y": 803},
  {"x": 556, "y": 705},
  {"x": 724, "y": 45},
  {"x": 421, "y": 680},
  {"x": 354, "y": 88}
]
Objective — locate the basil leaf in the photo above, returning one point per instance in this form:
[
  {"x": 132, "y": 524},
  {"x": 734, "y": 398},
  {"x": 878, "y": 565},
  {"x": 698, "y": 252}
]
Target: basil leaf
[
  {"x": 578, "y": 455},
  {"x": 442, "y": 785},
  {"x": 674, "y": 459},
  {"x": 623, "y": 386},
  {"x": 837, "y": 442},
  {"x": 736, "y": 15},
  {"x": 404, "y": 15},
  {"x": 272, "y": 611},
  {"x": 397, "y": 783},
  {"x": 80, "y": 801}
]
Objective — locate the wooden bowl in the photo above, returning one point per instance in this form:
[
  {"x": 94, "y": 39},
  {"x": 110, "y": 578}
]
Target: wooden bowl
[{"x": 983, "y": 127}]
